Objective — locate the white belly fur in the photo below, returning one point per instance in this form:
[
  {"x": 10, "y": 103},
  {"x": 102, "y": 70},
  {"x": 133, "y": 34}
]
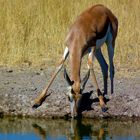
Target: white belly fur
[{"x": 101, "y": 41}]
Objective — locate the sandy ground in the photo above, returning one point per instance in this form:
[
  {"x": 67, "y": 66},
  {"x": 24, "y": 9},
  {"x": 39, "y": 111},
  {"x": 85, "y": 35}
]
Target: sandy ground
[{"x": 19, "y": 88}]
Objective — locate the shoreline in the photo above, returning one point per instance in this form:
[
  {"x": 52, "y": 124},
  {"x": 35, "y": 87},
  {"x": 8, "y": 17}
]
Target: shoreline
[{"x": 19, "y": 88}]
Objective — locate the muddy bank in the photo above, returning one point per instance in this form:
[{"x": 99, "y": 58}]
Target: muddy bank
[{"x": 19, "y": 88}]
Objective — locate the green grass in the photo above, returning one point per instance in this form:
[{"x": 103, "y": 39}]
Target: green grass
[{"x": 33, "y": 31}]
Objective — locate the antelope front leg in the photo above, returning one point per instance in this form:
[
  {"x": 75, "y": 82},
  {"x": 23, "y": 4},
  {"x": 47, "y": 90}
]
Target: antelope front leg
[
  {"x": 41, "y": 98},
  {"x": 99, "y": 94}
]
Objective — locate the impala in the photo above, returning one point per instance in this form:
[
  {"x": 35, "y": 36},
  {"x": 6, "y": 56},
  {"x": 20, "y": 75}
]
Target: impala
[{"x": 92, "y": 28}]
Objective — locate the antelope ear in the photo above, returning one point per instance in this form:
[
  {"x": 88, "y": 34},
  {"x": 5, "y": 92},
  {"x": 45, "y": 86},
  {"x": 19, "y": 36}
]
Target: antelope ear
[
  {"x": 85, "y": 79},
  {"x": 70, "y": 83}
]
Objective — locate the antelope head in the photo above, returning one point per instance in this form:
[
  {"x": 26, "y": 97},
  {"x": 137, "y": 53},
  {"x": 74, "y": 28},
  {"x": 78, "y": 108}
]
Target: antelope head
[{"x": 74, "y": 95}]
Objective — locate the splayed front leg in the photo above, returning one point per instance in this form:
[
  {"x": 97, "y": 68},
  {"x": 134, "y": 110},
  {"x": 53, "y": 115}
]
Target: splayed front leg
[
  {"x": 99, "y": 93},
  {"x": 101, "y": 101},
  {"x": 41, "y": 98},
  {"x": 104, "y": 68}
]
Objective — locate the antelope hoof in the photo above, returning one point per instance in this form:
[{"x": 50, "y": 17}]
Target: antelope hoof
[
  {"x": 104, "y": 109},
  {"x": 36, "y": 105},
  {"x": 39, "y": 103}
]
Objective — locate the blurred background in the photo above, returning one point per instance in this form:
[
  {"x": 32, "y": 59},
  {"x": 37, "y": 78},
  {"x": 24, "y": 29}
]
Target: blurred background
[{"x": 32, "y": 32}]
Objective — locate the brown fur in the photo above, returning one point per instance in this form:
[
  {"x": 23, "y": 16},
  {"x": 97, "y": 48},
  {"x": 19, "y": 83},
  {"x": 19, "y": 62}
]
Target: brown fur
[{"x": 91, "y": 25}]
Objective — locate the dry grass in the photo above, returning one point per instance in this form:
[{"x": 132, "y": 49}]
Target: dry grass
[{"x": 33, "y": 31}]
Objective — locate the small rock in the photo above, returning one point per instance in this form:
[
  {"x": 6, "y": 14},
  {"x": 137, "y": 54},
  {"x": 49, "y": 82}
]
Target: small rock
[
  {"x": 37, "y": 73},
  {"x": 33, "y": 89},
  {"x": 6, "y": 83},
  {"x": 10, "y": 71}
]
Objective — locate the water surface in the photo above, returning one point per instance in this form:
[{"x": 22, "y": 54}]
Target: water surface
[{"x": 85, "y": 129}]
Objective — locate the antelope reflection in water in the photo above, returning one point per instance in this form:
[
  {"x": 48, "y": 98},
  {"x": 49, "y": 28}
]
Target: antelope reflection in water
[{"x": 77, "y": 130}]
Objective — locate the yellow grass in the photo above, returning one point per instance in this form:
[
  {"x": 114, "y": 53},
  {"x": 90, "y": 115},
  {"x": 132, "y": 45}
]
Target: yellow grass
[{"x": 33, "y": 31}]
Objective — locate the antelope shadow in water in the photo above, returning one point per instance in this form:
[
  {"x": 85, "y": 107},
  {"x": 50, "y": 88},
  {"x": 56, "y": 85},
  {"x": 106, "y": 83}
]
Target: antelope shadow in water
[
  {"x": 82, "y": 130},
  {"x": 78, "y": 130},
  {"x": 39, "y": 131}
]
